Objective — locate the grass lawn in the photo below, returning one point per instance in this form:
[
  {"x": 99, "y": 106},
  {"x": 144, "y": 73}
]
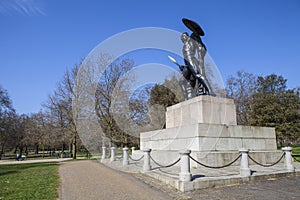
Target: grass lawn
[
  {"x": 296, "y": 149},
  {"x": 29, "y": 181}
]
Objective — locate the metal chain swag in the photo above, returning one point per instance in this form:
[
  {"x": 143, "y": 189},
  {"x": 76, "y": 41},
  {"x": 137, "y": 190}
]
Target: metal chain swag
[
  {"x": 295, "y": 158},
  {"x": 216, "y": 167},
  {"x": 265, "y": 165},
  {"x": 164, "y": 166},
  {"x": 119, "y": 157},
  {"x": 136, "y": 159}
]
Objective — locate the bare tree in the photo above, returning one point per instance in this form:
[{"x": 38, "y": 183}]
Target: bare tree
[
  {"x": 241, "y": 88},
  {"x": 8, "y": 119},
  {"x": 59, "y": 106},
  {"x": 112, "y": 85}
]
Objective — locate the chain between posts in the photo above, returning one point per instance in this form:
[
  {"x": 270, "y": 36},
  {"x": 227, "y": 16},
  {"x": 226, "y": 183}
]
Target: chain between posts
[
  {"x": 270, "y": 165},
  {"x": 119, "y": 157},
  {"x": 136, "y": 159},
  {"x": 295, "y": 158},
  {"x": 164, "y": 166},
  {"x": 216, "y": 167}
]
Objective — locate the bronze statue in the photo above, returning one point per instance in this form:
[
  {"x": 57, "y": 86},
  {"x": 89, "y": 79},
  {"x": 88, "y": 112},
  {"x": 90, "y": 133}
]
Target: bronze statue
[{"x": 193, "y": 71}]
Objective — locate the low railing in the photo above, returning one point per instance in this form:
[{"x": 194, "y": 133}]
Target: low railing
[
  {"x": 267, "y": 165},
  {"x": 185, "y": 157},
  {"x": 164, "y": 166},
  {"x": 215, "y": 167}
]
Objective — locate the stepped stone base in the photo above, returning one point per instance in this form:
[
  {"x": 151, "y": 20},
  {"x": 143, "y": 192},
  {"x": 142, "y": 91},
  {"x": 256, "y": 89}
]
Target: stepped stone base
[
  {"x": 210, "y": 137},
  {"x": 206, "y": 125}
]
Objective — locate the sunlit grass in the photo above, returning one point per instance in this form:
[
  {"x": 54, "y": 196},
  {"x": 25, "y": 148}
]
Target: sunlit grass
[
  {"x": 296, "y": 150},
  {"x": 29, "y": 181}
]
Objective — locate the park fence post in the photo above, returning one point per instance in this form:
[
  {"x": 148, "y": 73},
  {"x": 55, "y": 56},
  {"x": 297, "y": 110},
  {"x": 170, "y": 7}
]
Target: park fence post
[
  {"x": 132, "y": 150},
  {"x": 185, "y": 171},
  {"x": 146, "y": 166},
  {"x": 244, "y": 170},
  {"x": 103, "y": 154},
  {"x": 112, "y": 154},
  {"x": 288, "y": 160},
  {"x": 125, "y": 156}
]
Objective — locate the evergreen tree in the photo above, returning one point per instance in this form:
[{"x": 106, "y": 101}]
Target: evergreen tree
[
  {"x": 275, "y": 106},
  {"x": 166, "y": 94}
]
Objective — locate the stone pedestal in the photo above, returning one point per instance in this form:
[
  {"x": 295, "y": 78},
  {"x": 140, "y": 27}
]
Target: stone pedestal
[
  {"x": 210, "y": 137},
  {"x": 207, "y": 126},
  {"x": 202, "y": 109}
]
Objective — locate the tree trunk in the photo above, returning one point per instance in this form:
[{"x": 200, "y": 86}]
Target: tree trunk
[
  {"x": 43, "y": 146},
  {"x": 2, "y": 151},
  {"x": 36, "y": 149},
  {"x": 74, "y": 147},
  {"x": 70, "y": 147},
  {"x": 63, "y": 147},
  {"x": 26, "y": 151},
  {"x": 21, "y": 150}
]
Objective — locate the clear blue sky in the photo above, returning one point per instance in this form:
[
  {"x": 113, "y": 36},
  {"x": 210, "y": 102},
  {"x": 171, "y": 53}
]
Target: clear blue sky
[{"x": 40, "y": 39}]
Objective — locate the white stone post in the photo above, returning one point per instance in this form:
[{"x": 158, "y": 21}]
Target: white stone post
[
  {"x": 125, "y": 156},
  {"x": 146, "y": 166},
  {"x": 244, "y": 170},
  {"x": 185, "y": 171},
  {"x": 103, "y": 154},
  {"x": 112, "y": 154},
  {"x": 288, "y": 159},
  {"x": 132, "y": 150}
]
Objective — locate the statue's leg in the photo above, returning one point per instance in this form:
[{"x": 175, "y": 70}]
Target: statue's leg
[
  {"x": 195, "y": 65},
  {"x": 192, "y": 90},
  {"x": 187, "y": 84},
  {"x": 183, "y": 86}
]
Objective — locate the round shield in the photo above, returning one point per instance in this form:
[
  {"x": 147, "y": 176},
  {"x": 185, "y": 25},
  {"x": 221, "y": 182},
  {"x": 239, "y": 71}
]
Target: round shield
[{"x": 193, "y": 26}]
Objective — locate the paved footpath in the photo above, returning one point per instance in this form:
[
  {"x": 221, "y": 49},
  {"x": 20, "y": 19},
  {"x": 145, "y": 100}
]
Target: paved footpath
[
  {"x": 92, "y": 180},
  {"x": 284, "y": 188}
]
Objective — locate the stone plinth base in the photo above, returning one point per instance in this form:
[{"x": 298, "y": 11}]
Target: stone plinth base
[
  {"x": 211, "y": 143},
  {"x": 210, "y": 137},
  {"x": 206, "y": 125}
]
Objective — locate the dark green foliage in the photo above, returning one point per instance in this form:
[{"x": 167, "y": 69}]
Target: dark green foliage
[
  {"x": 266, "y": 101},
  {"x": 165, "y": 94},
  {"x": 275, "y": 106}
]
